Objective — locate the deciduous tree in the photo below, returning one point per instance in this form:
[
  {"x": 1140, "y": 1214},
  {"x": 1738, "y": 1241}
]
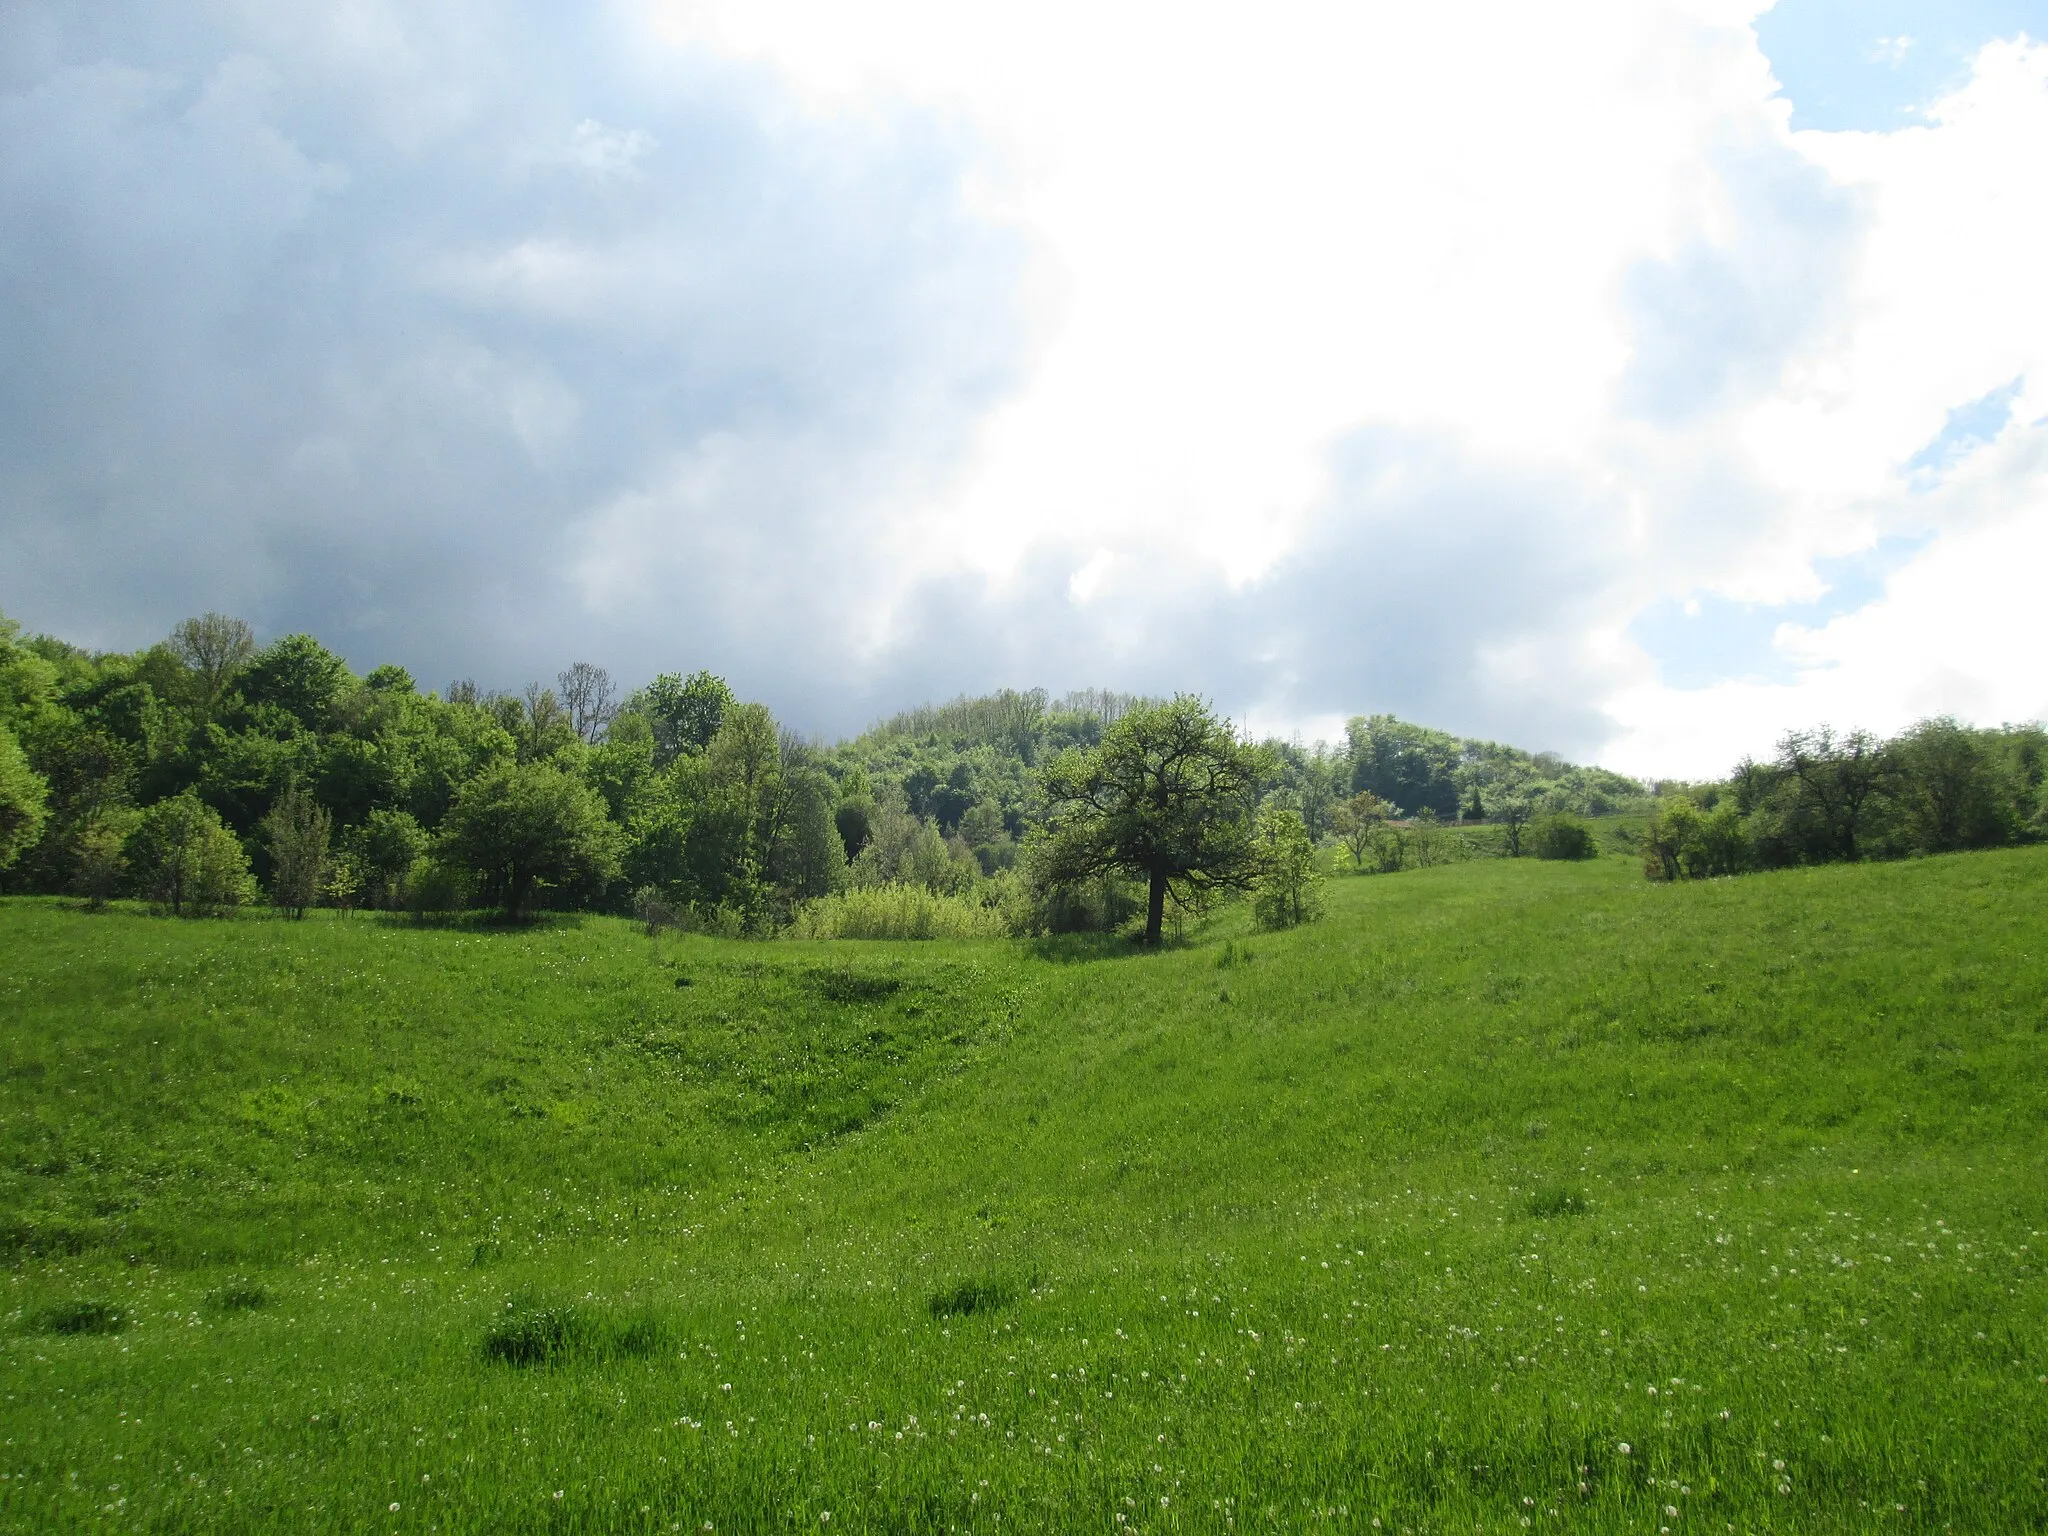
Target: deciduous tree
[
  {"x": 1167, "y": 798},
  {"x": 183, "y": 858},
  {"x": 24, "y": 800},
  {"x": 588, "y": 695},
  {"x": 1358, "y": 822},
  {"x": 1287, "y": 889},
  {"x": 521, "y": 826},
  {"x": 213, "y": 647},
  {"x": 1840, "y": 780},
  {"x": 296, "y": 830}
]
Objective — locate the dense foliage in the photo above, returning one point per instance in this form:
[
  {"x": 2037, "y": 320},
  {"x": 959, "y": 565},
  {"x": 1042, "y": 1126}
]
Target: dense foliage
[
  {"x": 207, "y": 770},
  {"x": 1167, "y": 799},
  {"x": 1937, "y": 788}
]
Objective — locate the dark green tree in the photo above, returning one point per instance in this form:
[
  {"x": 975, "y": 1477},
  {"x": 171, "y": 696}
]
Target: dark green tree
[
  {"x": 1837, "y": 785},
  {"x": 1167, "y": 798},
  {"x": 1409, "y": 766},
  {"x": 296, "y": 831},
  {"x": 183, "y": 858},
  {"x": 1948, "y": 785},
  {"x": 298, "y": 675},
  {"x": 520, "y": 827}
]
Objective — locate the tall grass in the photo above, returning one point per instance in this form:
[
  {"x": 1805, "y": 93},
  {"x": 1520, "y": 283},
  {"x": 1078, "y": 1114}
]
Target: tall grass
[{"x": 896, "y": 911}]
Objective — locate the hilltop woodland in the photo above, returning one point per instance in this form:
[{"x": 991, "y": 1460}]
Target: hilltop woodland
[{"x": 207, "y": 772}]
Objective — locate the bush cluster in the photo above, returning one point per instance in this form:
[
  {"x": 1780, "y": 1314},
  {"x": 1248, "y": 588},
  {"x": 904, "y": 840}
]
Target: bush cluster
[{"x": 1936, "y": 788}]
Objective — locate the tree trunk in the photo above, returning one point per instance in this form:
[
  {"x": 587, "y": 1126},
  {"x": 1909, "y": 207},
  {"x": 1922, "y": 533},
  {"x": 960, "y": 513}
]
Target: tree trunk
[{"x": 1155, "y": 909}]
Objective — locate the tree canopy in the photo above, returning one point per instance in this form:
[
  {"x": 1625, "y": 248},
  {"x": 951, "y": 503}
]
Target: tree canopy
[
  {"x": 522, "y": 826},
  {"x": 180, "y": 771},
  {"x": 1167, "y": 798}
]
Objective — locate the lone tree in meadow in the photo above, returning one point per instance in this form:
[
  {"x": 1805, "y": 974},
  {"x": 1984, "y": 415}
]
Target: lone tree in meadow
[{"x": 1167, "y": 798}]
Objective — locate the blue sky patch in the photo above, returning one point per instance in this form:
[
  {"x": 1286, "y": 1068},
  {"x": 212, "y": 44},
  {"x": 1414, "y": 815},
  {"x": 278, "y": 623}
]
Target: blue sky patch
[
  {"x": 1968, "y": 427},
  {"x": 1725, "y": 641},
  {"x": 1876, "y": 64}
]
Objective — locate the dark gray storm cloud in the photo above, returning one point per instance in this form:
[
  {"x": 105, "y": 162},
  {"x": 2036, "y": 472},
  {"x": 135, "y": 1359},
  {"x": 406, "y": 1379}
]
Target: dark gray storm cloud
[{"x": 370, "y": 320}]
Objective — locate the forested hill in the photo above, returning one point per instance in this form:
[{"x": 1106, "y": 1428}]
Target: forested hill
[
  {"x": 950, "y": 757},
  {"x": 194, "y": 761}
]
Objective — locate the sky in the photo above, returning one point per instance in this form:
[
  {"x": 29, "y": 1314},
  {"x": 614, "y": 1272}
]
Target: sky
[{"x": 1635, "y": 380}]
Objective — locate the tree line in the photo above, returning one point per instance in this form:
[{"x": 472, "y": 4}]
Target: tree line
[
  {"x": 208, "y": 771},
  {"x": 1824, "y": 797}
]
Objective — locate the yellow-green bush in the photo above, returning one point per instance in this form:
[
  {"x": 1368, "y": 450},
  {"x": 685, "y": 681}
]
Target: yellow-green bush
[{"x": 896, "y": 911}]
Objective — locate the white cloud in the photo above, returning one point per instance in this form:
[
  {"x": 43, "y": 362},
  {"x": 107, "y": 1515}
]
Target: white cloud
[
  {"x": 1585, "y": 243},
  {"x": 1322, "y": 358}
]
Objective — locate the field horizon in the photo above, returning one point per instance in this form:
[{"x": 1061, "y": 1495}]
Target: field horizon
[{"x": 1512, "y": 1195}]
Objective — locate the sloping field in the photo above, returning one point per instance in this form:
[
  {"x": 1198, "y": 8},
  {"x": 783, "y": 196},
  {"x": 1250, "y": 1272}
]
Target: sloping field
[{"x": 1511, "y": 1196}]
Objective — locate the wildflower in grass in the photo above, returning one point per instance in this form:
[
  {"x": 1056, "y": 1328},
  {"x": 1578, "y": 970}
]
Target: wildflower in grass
[{"x": 1624, "y": 1450}]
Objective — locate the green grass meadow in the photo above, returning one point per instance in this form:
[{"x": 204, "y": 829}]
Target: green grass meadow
[{"x": 1511, "y": 1196}]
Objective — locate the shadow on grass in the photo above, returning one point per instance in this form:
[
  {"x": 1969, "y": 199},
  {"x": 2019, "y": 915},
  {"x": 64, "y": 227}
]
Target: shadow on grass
[
  {"x": 1079, "y": 948},
  {"x": 543, "y": 1335},
  {"x": 82, "y": 1317},
  {"x": 484, "y": 920}
]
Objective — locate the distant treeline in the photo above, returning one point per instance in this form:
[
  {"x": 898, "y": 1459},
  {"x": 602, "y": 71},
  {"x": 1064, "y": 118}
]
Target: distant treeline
[
  {"x": 206, "y": 770},
  {"x": 1937, "y": 788}
]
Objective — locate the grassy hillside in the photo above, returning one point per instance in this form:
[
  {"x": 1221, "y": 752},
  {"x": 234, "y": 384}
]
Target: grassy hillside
[{"x": 1513, "y": 1195}]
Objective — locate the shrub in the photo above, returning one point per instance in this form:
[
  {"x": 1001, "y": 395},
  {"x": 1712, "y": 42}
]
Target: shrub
[
  {"x": 184, "y": 859},
  {"x": 1561, "y": 837},
  {"x": 1682, "y": 842},
  {"x": 435, "y": 889},
  {"x": 896, "y": 911},
  {"x": 1288, "y": 887}
]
